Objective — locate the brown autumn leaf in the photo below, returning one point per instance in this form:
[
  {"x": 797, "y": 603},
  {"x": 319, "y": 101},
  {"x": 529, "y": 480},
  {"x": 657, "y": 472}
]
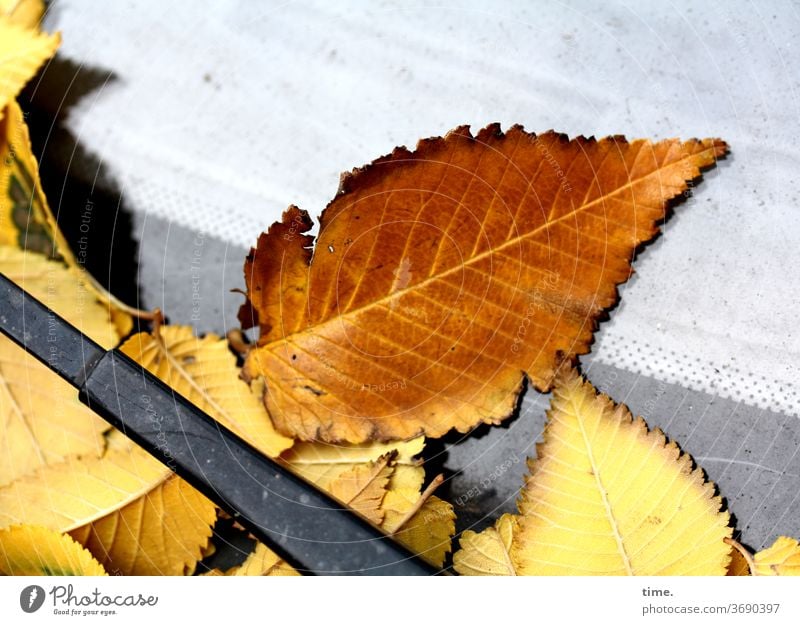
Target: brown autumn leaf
[{"x": 442, "y": 277}]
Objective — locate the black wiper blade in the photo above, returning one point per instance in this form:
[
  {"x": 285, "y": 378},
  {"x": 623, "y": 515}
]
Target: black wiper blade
[
  {"x": 312, "y": 531},
  {"x": 45, "y": 335}
]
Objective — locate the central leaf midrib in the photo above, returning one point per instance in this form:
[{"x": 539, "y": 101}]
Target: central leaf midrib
[
  {"x": 604, "y": 495},
  {"x": 490, "y": 252}
]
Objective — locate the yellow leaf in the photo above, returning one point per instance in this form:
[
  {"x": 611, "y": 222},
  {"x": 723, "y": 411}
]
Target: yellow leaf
[
  {"x": 26, "y": 221},
  {"x": 262, "y": 561},
  {"x": 61, "y": 289},
  {"x": 22, "y": 52},
  {"x": 424, "y": 524},
  {"x": 430, "y": 530},
  {"x": 403, "y": 493},
  {"x": 782, "y": 558},
  {"x": 396, "y": 505},
  {"x": 428, "y": 533},
  {"x": 31, "y": 550},
  {"x": 204, "y": 371},
  {"x": 322, "y": 463},
  {"x": 608, "y": 497},
  {"x": 162, "y": 533},
  {"x": 489, "y": 552},
  {"x": 74, "y": 493},
  {"x": 364, "y": 487},
  {"x": 25, "y": 13},
  {"x": 127, "y": 508},
  {"x": 141, "y": 523},
  {"x": 41, "y": 419}
]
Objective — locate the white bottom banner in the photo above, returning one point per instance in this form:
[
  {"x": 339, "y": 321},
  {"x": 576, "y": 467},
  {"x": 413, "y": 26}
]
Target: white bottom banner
[{"x": 373, "y": 599}]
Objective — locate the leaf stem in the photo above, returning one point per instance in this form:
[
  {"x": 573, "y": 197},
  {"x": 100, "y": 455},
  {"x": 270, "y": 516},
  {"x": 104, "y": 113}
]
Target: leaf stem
[
  {"x": 158, "y": 320},
  {"x": 238, "y": 341},
  {"x": 103, "y": 294}
]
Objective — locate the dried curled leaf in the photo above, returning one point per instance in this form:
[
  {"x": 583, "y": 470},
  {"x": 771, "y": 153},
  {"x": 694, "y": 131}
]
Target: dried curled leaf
[
  {"x": 322, "y": 463},
  {"x": 402, "y": 496},
  {"x": 442, "y": 276},
  {"x": 31, "y": 550},
  {"x": 204, "y": 371},
  {"x": 22, "y": 51},
  {"x": 488, "y": 552},
  {"x": 782, "y": 558},
  {"x": 363, "y": 488},
  {"x": 607, "y": 497}
]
